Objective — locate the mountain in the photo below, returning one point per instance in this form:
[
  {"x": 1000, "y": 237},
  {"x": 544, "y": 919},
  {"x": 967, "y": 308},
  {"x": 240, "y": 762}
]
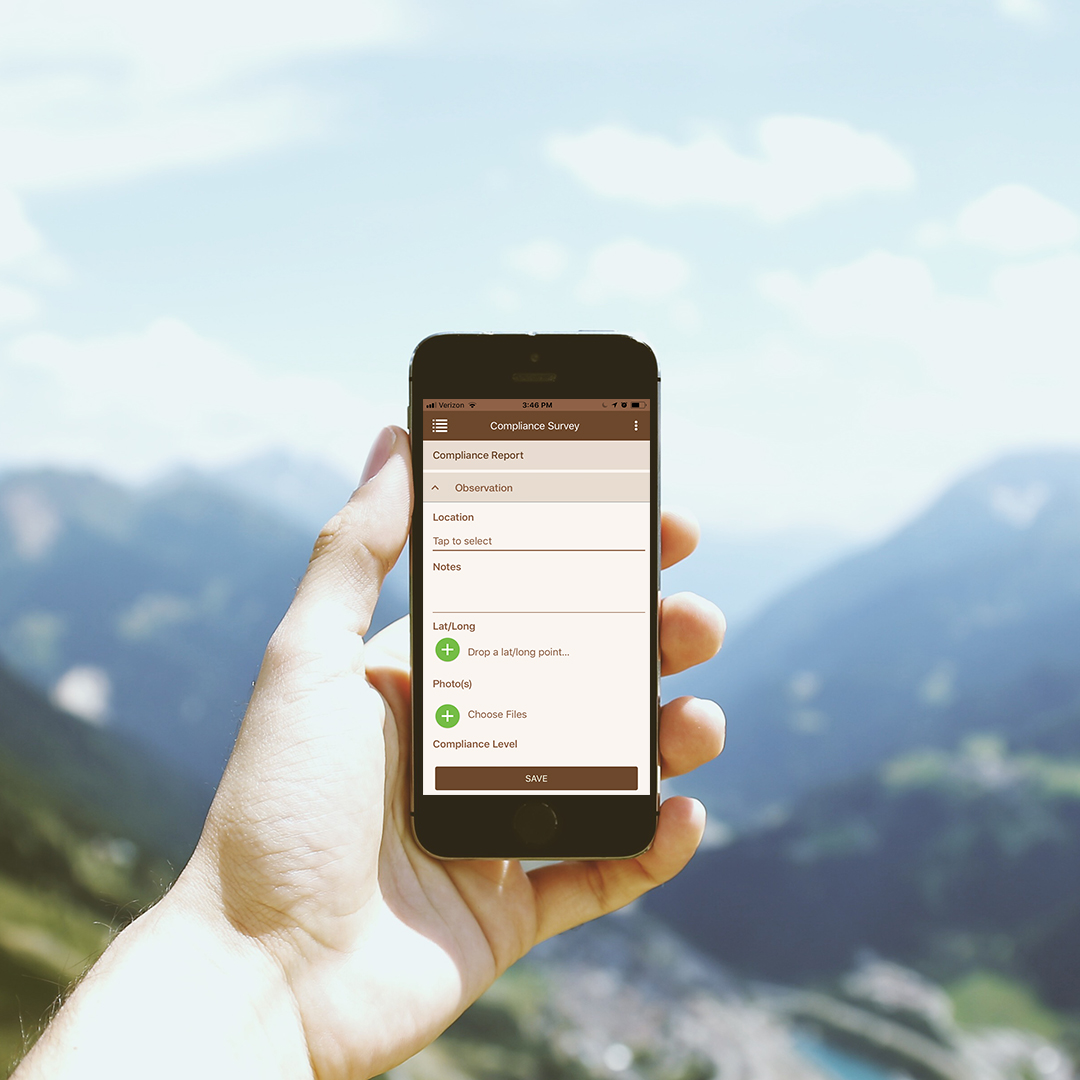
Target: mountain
[
  {"x": 306, "y": 493},
  {"x": 92, "y": 830},
  {"x": 966, "y": 620},
  {"x": 955, "y": 862},
  {"x": 303, "y": 491},
  {"x": 147, "y": 610},
  {"x": 102, "y": 778}
]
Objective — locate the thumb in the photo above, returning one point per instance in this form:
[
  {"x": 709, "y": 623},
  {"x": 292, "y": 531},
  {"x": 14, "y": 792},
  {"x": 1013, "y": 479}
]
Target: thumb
[{"x": 355, "y": 550}]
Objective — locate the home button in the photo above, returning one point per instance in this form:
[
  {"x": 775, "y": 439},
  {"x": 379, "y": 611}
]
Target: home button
[{"x": 535, "y": 823}]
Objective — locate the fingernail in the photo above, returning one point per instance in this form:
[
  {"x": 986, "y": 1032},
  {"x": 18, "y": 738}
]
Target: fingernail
[{"x": 379, "y": 454}]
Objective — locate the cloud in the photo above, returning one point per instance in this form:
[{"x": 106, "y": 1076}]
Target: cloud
[
  {"x": 631, "y": 270},
  {"x": 541, "y": 260},
  {"x": 17, "y": 305},
  {"x": 1016, "y": 220},
  {"x": 884, "y": 384},
  {"x": 122, "y": 135},
  {"x": 197, "y": 44},
  {"x": 22, "y": 253},
  {"x": 995, "y": 368},
  {"x": 880, "y": 295},
  {"x": 133, "y": 405},
  {"x": 109, "y": 89},
  {"x": 803, "y": 163},
  {"x": 19, "y": 240},
  {"x": 1028, "y": 316},
  {"x": 1032, "y": 12}
]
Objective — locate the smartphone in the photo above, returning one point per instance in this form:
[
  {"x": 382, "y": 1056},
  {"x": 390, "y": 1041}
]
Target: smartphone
[{"x": 534, "y": 584}]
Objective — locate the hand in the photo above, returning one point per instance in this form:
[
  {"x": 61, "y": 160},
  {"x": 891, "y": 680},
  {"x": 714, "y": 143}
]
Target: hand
[{"x": 307, "y": 876}]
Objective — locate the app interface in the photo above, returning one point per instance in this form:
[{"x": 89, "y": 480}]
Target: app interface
[{"x": 536, "y": 605}]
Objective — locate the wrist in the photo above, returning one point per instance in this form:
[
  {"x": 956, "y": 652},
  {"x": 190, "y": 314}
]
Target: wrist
[{"x": 184, "y": 991}]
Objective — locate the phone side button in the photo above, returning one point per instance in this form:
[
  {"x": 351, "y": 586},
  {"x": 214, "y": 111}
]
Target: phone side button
[{"x": 535, "y": 822}]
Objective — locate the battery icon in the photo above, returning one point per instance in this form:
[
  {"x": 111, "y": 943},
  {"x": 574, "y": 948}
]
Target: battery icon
[{"x": 635, "y": 404}]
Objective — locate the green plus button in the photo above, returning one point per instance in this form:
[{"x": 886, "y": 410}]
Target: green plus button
[
  {"x": 447, "y": 649},
  {"x": 447, "y": 716}
]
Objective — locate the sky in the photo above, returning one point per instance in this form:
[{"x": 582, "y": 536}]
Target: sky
[{"x": 848, "y": 229}]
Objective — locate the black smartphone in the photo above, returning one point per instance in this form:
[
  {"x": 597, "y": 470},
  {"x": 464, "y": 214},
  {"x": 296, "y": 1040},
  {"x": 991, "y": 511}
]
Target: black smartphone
[{"x": 534, "y": 585}]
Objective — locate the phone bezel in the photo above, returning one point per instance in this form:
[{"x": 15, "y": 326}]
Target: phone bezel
[{"x": 586, "y": 365}]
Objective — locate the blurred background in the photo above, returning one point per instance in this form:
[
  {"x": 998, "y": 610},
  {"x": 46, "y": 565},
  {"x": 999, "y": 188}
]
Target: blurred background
[{"x": 850, "y": 232}]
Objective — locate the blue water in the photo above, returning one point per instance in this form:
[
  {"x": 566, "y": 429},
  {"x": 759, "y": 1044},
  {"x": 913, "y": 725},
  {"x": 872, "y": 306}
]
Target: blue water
[{"x": 839, "y": 1063}]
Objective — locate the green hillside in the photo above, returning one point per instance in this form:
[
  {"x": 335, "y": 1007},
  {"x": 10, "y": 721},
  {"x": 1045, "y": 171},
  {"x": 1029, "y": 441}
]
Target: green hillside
[
  {"x": 92, "y": 830},
  {"x": 65, "y": 887},
  {"x": 98, "y": 775}
]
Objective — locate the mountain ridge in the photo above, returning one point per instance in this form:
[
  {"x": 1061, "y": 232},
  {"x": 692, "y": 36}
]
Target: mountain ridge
[
  {"x": 965, "y": 618},
  {"x": 170, "y": 595}
]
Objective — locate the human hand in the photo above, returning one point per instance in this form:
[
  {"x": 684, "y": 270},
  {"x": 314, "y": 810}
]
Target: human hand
[{"x": 357, "y": 947}]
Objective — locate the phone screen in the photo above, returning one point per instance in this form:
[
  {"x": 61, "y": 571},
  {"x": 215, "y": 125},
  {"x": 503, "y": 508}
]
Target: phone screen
[{"x": 536, "y": 610}]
